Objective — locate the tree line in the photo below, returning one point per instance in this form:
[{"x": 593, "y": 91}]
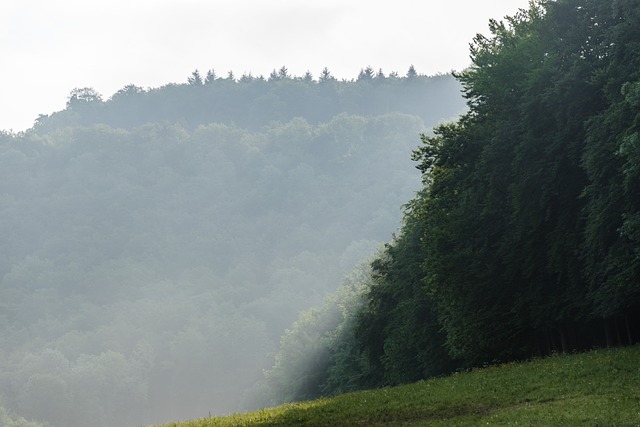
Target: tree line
[
  {"x": 254, "y": 102},
  {"x": 525, "y": 237}
]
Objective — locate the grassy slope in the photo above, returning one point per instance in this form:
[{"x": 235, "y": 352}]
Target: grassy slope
[{"x": 600, "y": 388}]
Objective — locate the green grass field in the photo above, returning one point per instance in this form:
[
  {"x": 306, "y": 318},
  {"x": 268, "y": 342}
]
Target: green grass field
[{"x": 599, "y": 388}]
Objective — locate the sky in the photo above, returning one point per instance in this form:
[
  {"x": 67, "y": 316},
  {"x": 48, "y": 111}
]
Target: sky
[{"x": 50, "y": 47}]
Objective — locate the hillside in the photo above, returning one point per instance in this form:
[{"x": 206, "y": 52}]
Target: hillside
[
  {"x": 147, "y": 249},
  {"x": 150, "y": 268},
  {"x": 599, "y": 388}
]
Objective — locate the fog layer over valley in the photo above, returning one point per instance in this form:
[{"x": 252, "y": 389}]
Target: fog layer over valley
[{"x": 155, "y": 246}]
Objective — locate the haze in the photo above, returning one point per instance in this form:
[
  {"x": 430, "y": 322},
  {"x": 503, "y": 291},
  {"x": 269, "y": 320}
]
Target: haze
[
  {"x": 162, "y": 228},
  {"x": 49, "y": 48},
  {"x": 156, "y": 246}
]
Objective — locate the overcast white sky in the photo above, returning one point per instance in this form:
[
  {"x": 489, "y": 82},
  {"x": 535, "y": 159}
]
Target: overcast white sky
[{"x": 49, "y": 47}]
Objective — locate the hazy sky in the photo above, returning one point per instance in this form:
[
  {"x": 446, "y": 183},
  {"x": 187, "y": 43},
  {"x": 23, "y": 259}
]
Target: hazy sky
[{"x": 49, "y": 47}]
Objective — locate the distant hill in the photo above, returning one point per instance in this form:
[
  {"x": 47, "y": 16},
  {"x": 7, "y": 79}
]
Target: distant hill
[
  {"x": 155, "y": 246},
  {"x": 252, "y": 103}
]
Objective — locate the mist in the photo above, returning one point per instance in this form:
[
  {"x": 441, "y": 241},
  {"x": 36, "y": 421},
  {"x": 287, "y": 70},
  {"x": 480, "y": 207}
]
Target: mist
[{"x": 153, "y": 255}]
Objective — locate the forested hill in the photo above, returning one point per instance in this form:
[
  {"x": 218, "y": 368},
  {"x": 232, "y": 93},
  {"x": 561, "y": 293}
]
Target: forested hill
[
  {"x": 155, "y": 246},
  {"x": 525, "y": 238},
  {"x": 253, "y": 102}
]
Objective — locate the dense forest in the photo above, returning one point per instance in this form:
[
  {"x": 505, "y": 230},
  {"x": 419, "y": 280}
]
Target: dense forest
[
  {"x": 525, "y": 237},
  {"x": 165, "y": 247},
  {"x": 157, "y": 244}
]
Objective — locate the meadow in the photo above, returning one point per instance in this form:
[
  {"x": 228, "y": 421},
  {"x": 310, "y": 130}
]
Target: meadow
[{"x": 598, "y": 388}]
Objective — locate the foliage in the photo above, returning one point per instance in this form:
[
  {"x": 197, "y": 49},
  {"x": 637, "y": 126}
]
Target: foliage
[
  {"x": 397, "y": 329},
  {"x": 523, "y": 244},
  {"x": 317, "y": 355}
]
